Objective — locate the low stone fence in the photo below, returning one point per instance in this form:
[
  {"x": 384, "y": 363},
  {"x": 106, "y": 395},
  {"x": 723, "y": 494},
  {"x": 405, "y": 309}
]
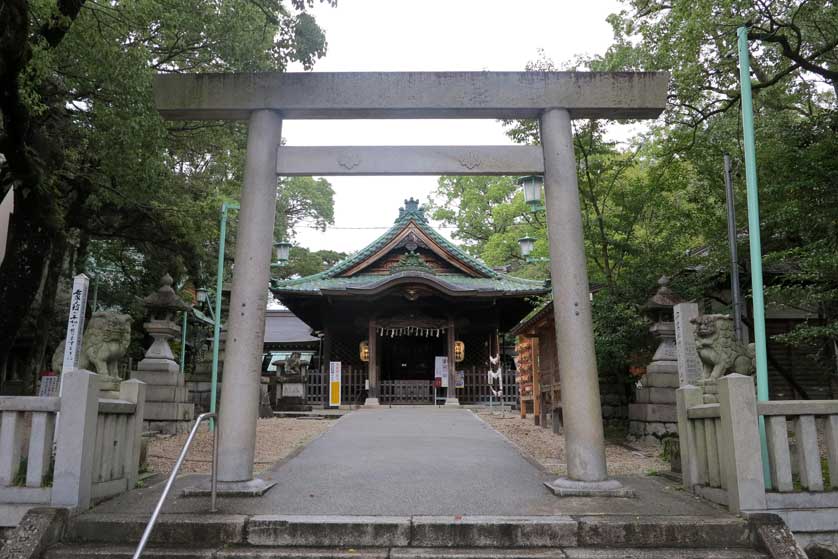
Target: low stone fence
[
  {"x": 722, "y": 458},
  {"x": 96, "y": 452}
]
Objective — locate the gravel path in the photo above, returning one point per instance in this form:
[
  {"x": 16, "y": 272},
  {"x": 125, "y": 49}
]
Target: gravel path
[
  {"x": 548, "y": 449},
  {"x": 276, "y": 438}
]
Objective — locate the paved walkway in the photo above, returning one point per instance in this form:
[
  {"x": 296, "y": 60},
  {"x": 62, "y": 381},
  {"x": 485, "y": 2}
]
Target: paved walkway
[
  {"x": 416, "y": 461},
  {"x": 420, "y": 460}
]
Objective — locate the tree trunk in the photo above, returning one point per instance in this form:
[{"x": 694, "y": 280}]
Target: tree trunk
[
  {"x": 46, "y": 314},
  {"x": 30, "y": 239}
]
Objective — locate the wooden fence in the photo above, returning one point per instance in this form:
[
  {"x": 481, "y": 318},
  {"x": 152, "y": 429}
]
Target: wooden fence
[
  {"x": 97, "y": 447},
  {"x": 406, "y": 392},
  {"x": 353, "y": 379},
  {"x": 352, "y": 388},
  {"x": 477, "y": 390}
]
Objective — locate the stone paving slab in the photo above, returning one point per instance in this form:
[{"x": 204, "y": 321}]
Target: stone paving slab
[
  {"x": 415, "y": 461},
  {"x": 111, "y": 552},
  {"x": 329, "y": 531}
]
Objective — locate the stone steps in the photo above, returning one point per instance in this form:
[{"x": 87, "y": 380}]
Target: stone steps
[
  {"x": 205, "y": 530},
  {"x": 98, "y": 551}
]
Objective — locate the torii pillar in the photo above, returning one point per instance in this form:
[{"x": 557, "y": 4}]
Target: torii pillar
[
  {"x": 582, "y": 412},
  {"x": 240, "y": 389}
]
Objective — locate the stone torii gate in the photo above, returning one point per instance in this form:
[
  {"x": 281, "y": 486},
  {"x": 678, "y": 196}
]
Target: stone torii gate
[{"x": 553, "y": 98}]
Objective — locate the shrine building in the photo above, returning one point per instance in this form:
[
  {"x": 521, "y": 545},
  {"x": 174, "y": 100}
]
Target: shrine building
[{"x": 390, "y": 311}]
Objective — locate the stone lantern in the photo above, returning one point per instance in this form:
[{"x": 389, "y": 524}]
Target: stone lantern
[
  {"x": 168, "y": 407},
  {"x": 653, "y": 414},
  {"x": 163, "y": 306}
]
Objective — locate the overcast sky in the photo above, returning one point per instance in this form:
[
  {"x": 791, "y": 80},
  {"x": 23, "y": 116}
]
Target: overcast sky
[{"x": 430, "y": 35}]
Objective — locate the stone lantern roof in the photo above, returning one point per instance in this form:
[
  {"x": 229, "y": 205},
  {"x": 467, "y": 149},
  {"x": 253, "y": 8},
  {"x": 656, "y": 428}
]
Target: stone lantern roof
[
  {"x": 664, "y": 298},
  {"x": 165, "y": 301}
]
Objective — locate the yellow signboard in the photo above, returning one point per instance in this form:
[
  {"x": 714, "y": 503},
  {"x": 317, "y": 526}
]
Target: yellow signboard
[{"x": 334, "y": 383}]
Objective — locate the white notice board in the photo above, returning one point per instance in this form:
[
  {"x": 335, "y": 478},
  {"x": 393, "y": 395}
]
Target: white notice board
[
  {"x": 441, "y": 369},
  {"x": 334, "y": 383}
]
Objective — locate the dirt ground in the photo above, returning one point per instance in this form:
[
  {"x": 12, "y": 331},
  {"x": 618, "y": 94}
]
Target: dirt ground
[
  {"x": 276, "y": 438},
  {"x": 548, "y": 449}
]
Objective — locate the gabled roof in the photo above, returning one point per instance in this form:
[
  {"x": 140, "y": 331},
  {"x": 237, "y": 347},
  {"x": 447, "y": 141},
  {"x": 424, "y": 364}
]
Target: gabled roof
[
  {"x": 410, "y": 215},
  {"x": 468, "y": 275}
]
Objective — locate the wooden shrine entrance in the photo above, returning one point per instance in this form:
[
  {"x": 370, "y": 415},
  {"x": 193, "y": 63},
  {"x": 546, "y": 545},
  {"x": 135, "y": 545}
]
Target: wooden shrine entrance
[
  {"x": 407, "y": 367},
  {"x": 409, "y": 357}
]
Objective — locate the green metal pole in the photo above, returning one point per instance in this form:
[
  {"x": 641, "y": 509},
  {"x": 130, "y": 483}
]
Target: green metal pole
[
  {"x": 183, "y": 345},
  {"x": 753, "y": 236},
  {"x": 219, "y": 281}
]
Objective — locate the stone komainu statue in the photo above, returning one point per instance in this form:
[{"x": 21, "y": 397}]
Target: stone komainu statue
[
  {"x": 720, "y": 352},
  {"x": 294, "y": 369},
  {"x": 105, "y": 342}
]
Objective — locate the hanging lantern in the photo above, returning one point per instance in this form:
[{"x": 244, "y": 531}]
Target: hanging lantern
[
  {"x": 526, "y": 244},
  {"x": 459, "y": 351},
  {"x": 201, "y": 295},
  {"x": 532, "y": 191},
  {"x": 364, "y": 351},
  {"x": 283, "y": 250}
]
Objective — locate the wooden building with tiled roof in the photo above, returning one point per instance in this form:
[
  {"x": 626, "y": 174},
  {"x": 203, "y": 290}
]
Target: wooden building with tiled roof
[{"x": 388, "y": 311}]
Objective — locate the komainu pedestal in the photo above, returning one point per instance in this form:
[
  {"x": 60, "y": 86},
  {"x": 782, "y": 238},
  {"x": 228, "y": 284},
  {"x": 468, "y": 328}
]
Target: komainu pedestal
[
  {"x": 168, "y": 408},
  {"x": 292, "y": 384}
]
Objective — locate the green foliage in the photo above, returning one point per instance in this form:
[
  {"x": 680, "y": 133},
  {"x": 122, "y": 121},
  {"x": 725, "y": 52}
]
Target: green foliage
[
  {"x": 696, "y": 42},
  {"x": 303, "y": 262},
  {"x": 303, "y": 199},
  {"x": 124, "y": 189},
  {"x": 619, "y": 330},
  {"x": 793, "y": 60}
]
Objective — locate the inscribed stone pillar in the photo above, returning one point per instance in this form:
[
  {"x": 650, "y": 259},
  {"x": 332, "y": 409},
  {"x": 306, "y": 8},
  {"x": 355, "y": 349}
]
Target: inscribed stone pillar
[
  {"x": 372, "y": 365},
  {"x": 451, "y": 398},
  {"x": 584, "y": 440},
  {"x": 242, "y": 364},
  {"x": 689, "y": 365}
]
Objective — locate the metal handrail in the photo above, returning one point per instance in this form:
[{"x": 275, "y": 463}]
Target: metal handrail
[{"x": 213, "y": 480}]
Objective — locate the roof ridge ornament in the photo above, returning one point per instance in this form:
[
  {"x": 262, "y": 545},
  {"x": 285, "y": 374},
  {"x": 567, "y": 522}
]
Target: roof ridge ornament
[{"x": 412, "y": 209}]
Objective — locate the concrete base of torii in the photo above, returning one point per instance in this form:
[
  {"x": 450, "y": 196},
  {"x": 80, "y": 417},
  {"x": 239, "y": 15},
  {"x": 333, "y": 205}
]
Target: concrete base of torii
[
  {"x": 566, "y": 487},
  {"x": 255, "y": 487}
]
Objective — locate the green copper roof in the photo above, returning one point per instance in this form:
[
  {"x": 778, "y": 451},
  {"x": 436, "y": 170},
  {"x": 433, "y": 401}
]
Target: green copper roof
[
  {"x": 330, "y": 279},
  {"x": 455, "y": 282},
  {"x": 411, "y": 212}
]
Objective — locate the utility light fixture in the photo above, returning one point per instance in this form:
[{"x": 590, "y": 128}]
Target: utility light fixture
[
  {"x": 527, "y": 244},
  {"x": 532, "y": 191},
  {"x": 283, "y": 250}
]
